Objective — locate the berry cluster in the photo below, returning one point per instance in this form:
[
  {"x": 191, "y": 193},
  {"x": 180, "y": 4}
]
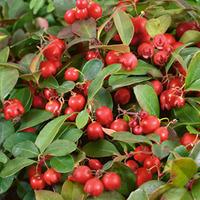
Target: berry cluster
[
  {"x": 93, "y": 185},
  {"x": 84, "y": 9}
]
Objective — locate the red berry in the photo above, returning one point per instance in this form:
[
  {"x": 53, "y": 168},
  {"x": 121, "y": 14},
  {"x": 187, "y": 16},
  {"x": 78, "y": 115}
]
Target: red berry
[
  {"x": 81, "y": 13},
  {"x": 119, "y": 125},
  {"x": 150, "y": 124},
  {"x": 112, "y": 57},
  {"x": 85, "y": 87},
  {"x": 48, "y": 68},
  {"x": 94, "y": 187},
  {"x": 95, "y": 10},
  {"x": 142, "y": 175},
  {"x": 152, "y": 163},
  {"x": 37, "y": 182},
  {"x": 143, "y": 114},
  {"x": 170, "y": 38},
  {"x": 159, "y": 41},
  {"x": 122, "y": 96},
  {"x": 189, "y": 140},
  {"x": 177, "y": 45},
  {"x": 179, "y": 102},
  {"x": 175, "y": 83},
  {"x": 90, "y": 55},
  {"x": 160, "y": 58},
  {"x": 81, "y": 4},
  {"x": 70, "y": 111},
  {"x": 71, "y": 74},
  {"x": 94, "y": 131},
  {"x": 38, "y": 102},
  {"x": 145, "y": 50},
  {"x": 132, "y": 165},
  {"x": 129, "y": 61},
  {"x": 163, "y": 133},
  {"x": 70, "y": 16},
  {"x": 82, "y": 174},
  {"x": 111, "y": 181},
  {"x": 95, "y": 164},
  {"x": 104, "y": 115},
  {"x": 139, "y": 24},
  {"x": 33, "y": 170},
  {"x": 29, "y": 130},
  {"x": 51, "y": 176},
  {"x": 117, "y": 38},
  {"x": 77, "y": 102},
  {"x": 50, "y": 93},
  {"x": 180, "y": 68},
  {"x": 141, "y": 153},
  {"x": 54, "y": 107},
  {"x": 157, "y": 86},
  {"x": 138, "y": 130}
]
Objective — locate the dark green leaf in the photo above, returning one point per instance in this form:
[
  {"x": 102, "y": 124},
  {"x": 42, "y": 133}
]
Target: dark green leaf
[
  {"x": 195, "y": 154},
  {"x": 138, "y": 194},
  {"x": 190, "y": 36},
  {"x": 4, "y": 54},
  {"x": 50, "y": 82},
  {"x": 5, "y": 184},
  {"x": 3, "y": 157},
  {"x": 47, "y": 195},
  {"x": 111, "y": 195},
  {"x": 195, "y": 190},
  {"x": 82, "y": 119},
  {"x": 66, "y": 86},
  {"x": 192, "y": 130},
  {"x": 72, "y": 134}
]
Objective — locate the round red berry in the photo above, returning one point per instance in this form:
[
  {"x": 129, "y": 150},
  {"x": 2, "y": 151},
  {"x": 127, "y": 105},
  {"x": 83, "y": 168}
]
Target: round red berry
[
  {"x": 145, "y": 50},
  {"x": 95, "y": 10},
  {"x": 152, "y": 163},
  {"x": 111, "y": 181},
  {"x": 95, "y": 164},
  {"x": 129, "y": 61},
  {"x": 50, "y": 93},
  {"x": 142, "y": 175},
  {"x": 94, "y": 131},
  {"x": 160, "y": 58},
  {"x": 163, "y": 133},
  {"x": 37, "y": 182},
  {"x": 54, "y": 107},
  {"x": 157, "y": 86},
  {"x": 81, "y": 4},
  {"x": 189, "y": 140},
  {"x": 77, "y": 102},
  {"x": 71, "y": 112},
  {"x": 70, "y": 16},
  {"x": 119, "y": 125},
  {"x": 71, "y": 74},
  {"x": 132, "y": 165},
  {"x": 122, "y": 96},
  {"x": 141, "y": 153},
  {"x": 51, "y": 176},
  {"x": 112, "y": 57},
  {"x": 81, "y": 13},
  {"x": 104, "y": 115},
  {"x": 48, "y": 68}
]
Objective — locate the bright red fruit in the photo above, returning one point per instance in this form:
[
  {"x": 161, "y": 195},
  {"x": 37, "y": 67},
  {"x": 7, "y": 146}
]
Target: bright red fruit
[
  {"x": 50, "y": 93},
  {"x": 77, "y": 102},
  {"x": 112, "y": 57},
  {"x": 81, "y": 4},
  {"x": 132, "y": 165},
  {"x": 104, "y": 115},
  {"x": 69, "y": 111},
  {"x": 122, "y": 96},
  {"x": 37, "y": 182},
  {"x": 129, "y": 61},
  {"x": 91, "y": 55},
  {"x": 48, "y": 68},
  {"x": 71, "y": 74},
  {"x": 82, "y": 174},
  {"x": 142, "y": 175},
  {"x": 145, "y": 50},
  {"x": 95, "y": 164},
  {"x": 51, "y": 176},
  {"x": 54, "y": 107},
  {"x": 163, "y": 133},
  {"x": 81, "y": 13},
  {"x": 139, "y": 24},
  {"x": 29, "y": 130},
  {"x": 119, "y": 125},
  {"x": 70, "y": 16},
  {"x": 189, "y": 140},
  {"x": 94, "y": 131},
  {"x": 150, "y": 124},
  {"x": 111, "y": 181},
  {"x": 94, "y": 187},
  {"x": 157, "y": 86},
  {"x": 141, "y": 153},
  {"x": 38, "y": 102},
  {"x": 33, "y": 170},
  {"x": 177, "y": 45},
  {"x": 159, "y": 41},
  {"x": 176, "y": 82},
  {"x": 137, "y": 130},
  {"x": 95, "y": 10},
  {"x": 170, "y": 38},
  {"x": 152, "y": 163},
  {"x": 160, "y": 58}
]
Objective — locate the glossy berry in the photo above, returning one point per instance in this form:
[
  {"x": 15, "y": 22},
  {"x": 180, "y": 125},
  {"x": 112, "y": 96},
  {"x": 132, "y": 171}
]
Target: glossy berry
[
  {"x": 129, "y": 61},
  {"x": 177, "y": 45},
  {"x": 54, "y": 107},
  {"x": 176, "y": 82},
  {"x": 85, "y": 87},
  {"x": 112, "y": 57},
  {"x": 94, "y": 131},
  {"x": 70, "y": 111},
  {"x": 145, "y": 50},
  {"x": 149, "y": 124},
  {"x": 81, "y": 4},
  {"x": 95, "y": 10},
  {"x": 13, "y": 108},
  {"x": 159, "y": 41},
  {"x": 38, "y": 102},
  {"x": 163, "y": 133},
  {"x": 29, "y": 130},
  {"x": 111, "y": 181},
  {"x": 141, "y": 153},
  {"x": 137, "y": 130},
  {"x": 37, "y": 182},
  {"x": 50, "y": 93},
  {"x": 33, "y": 170},
  {"x": 77, "y": 102},
  {"x": 95, "y": 164},
  {"x": 132, "y": 165},
  {"x": 122, "y": 96},
  {"x": 160, "y": 58},
  {"x": 170, "y": 38},
  {"x": 119, "y": 125},
  {"x": 157, "y": 86},
  {"x": 179, "y": 102},
  {"x": 81, "y": 13},
  {"x": 48, "y": 68},
  {"x": 104, "y": 115},
  {"x": 91, "y": 55},
  {"x": 94, "y": 187},
  {"x": 143, "y": 114},
  {"x": 51, "y": 176},
  {"x": 70, "y": 16},
  {"x": 82, "y": 174},
  {"x": 139, "y": 24},
  {"x": 71, "y": 74},
  {"x": 142, "y": 175},
  {"x": 152, "y": 163},
  {"x": 189, "y": 140}
]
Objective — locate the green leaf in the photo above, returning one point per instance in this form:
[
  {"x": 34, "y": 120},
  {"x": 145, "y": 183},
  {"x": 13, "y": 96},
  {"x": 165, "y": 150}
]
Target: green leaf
[
  {"x": 98, "y": 81},
  {"x": 72, "y": 191},
  {"x": 190, "y": 36},
  {"x": 50, "y": 82},
  {"x": 182, "y": 170},
  {"x": 8, "y": 79},
  {"x": 5, "y": 184},
  {"x": 195, "y": 190},
  {"x": 111, "y": 195},
  {"x": 47, "y": 195},
  {"x": 63, "y": 164},
  {"x": 3, "y": 157},
  {"x": 195, "y": 86},
  {"x": 15, "y": 165},
  {"x": 82, "y": 119},
  {"x": 4, "y": 54},
  {"x": 100, "y": 148},
  {"x": 129, "y": 138},
  {"x": 66, "y": 86},
  {"x": 192, "y": 130},
  {"x": 49, "y": 132},
  {"x": 156, "y": 26},
  {"x": 195, "y": 154},
  {"x": 124, "y": 26},
  {"x": 6, "y": 130},
  {"x": 34, "y": 117},
  {"x": 147, "y": 99},
  {"x": 92, "y": 68},
  {"x": 73, "y": 134},
  {"x": 60, "y": 148},
  {"x": 193, "y": 71},
  {"x": 26, "y": 149},
  {"x": 138, "y": 194}
]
